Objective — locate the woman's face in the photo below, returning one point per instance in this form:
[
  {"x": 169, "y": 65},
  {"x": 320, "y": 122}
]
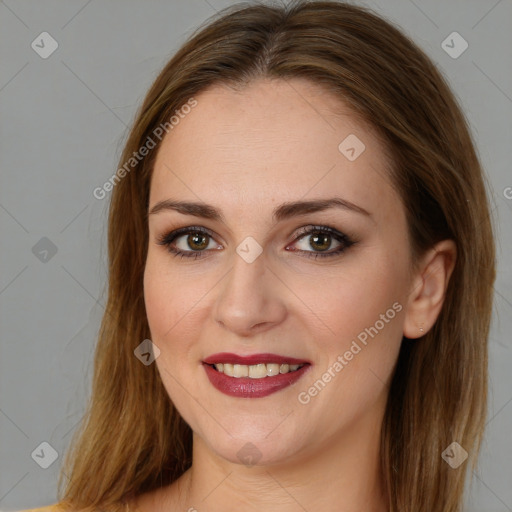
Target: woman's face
[{"x": 323, "y": 286}]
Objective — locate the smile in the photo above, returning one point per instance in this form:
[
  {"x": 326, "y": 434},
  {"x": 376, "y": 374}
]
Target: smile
[{"x": 253, "y": 376}]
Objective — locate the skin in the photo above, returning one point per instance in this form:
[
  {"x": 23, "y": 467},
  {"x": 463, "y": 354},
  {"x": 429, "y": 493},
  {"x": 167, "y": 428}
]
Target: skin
[{"x": 247, "y": 152}]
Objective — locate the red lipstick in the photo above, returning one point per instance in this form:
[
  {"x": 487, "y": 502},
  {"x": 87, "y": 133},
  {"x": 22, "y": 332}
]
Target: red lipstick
[
  {"x": 246, "y": 387},
  {"x": 227, "y": 357}
]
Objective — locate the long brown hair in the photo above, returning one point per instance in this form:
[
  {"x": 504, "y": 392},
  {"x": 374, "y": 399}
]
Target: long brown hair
[{"x": 132, "y": 439}]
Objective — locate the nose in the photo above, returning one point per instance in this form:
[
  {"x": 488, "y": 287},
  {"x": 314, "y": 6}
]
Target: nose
[{"x": 251, "y": 298}]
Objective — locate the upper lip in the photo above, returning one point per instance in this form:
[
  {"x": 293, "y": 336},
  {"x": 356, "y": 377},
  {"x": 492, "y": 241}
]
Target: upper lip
[{"x": 227, "y": 357}]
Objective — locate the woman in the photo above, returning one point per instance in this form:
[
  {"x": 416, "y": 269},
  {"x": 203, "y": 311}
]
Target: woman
[{"x": 301, "y": 276}]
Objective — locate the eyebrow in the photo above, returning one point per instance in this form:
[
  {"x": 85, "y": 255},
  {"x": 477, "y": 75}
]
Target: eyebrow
[{"x": 280, "y": 213}]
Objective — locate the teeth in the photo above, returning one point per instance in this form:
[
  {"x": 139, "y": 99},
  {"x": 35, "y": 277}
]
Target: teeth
[
  {"x": 228, "y": 369},
  {"x": 240, "y": 370},
  {"x": 272, "y": 369},
  {"x": 256, "y": 371}
]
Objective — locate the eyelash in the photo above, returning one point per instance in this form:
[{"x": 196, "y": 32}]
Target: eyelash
[{"x": 167, "y": 239}]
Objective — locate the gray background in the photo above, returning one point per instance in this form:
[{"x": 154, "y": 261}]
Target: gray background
[{"x": 63, "y": 121}]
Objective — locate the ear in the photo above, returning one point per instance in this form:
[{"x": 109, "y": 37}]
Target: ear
[{"x": 428, "y": 289}]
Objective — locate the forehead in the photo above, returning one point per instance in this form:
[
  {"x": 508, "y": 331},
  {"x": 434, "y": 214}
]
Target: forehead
[{"x": 279, "y": 139}]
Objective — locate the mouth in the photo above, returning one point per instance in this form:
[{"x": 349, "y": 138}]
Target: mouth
[{"x": 253, "y": 376}]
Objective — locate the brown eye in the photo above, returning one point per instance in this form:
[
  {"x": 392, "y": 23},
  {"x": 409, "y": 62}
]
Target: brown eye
[
  {"x": 197, "y": 241},
  {"x": 320, "y": 240},
  {"x": 194, "y": 245}
]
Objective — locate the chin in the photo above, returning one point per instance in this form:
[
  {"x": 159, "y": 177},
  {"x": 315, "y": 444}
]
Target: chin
[{"x": 253, "y": 452}]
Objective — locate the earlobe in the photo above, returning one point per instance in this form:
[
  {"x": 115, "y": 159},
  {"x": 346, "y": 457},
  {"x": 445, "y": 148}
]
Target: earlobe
[{"x": 428, "y": 289}]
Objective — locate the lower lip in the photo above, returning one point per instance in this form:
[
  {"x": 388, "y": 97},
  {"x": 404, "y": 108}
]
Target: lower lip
[{"x": 245, "y": 387}]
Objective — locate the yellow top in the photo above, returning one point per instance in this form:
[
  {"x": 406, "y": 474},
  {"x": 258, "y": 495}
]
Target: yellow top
[
  {"x": 59, "y": 507},
  {"x": 48, "y": 508}
]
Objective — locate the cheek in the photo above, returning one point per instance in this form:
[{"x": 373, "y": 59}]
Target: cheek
[
  {"x": 156, "y": 299},
  {"x": 162, "y": 289},
  {"x": 174, "y": 304},
  {"x": 164, "y": 305},
  {"x": 361, "y": 313},
  {"x": 168, "y": 311},
  {"x": 347, "y": 302}
]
